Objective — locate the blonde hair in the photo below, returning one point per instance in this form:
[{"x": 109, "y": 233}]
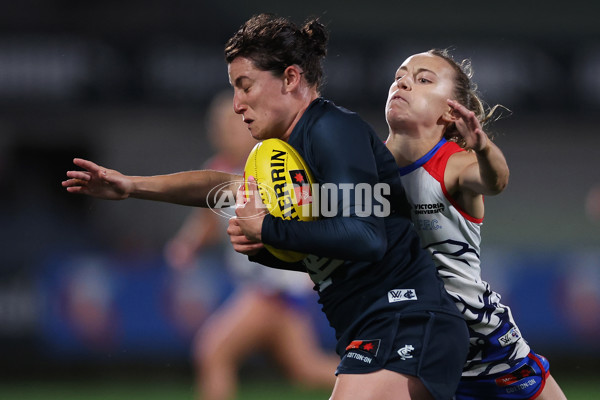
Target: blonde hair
[{"x": 466, "y": 93}]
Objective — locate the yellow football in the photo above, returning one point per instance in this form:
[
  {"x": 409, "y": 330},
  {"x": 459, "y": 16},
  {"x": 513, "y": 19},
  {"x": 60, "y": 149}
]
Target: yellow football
[{"x": 284, "y": 183}]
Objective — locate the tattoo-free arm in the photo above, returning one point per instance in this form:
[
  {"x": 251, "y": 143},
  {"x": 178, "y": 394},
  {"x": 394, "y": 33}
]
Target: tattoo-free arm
[{"x": 188, "y": 188}]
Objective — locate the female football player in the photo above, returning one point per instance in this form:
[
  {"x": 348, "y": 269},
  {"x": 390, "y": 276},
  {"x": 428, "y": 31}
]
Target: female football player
[
  {"x": 399, "y": 334},
  {"x": 244, "y": 324},
  {"x": 448, "y": 164}
]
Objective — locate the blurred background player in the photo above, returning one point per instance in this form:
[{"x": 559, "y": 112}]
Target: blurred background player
[{"x": 268, "y": 308}]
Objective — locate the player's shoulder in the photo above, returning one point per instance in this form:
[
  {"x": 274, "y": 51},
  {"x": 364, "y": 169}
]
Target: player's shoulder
[
  {"x": 336, "y": 122},
  {"x": 459, "y": 158},
  {"x": 457, "y": 163}
]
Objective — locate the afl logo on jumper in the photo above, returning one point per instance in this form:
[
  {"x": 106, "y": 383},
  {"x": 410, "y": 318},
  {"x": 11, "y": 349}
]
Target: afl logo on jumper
[
  {"x": 401, "y": 295},
  {"x": 510, "y": 337}
]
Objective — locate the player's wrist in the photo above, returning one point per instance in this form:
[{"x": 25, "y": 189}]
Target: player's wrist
[
  {"x": 485, "y": 149},
  {"x": 138, "y": 187}
]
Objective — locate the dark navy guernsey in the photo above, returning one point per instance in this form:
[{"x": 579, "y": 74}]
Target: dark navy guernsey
[{"x": 355, "y": 261}]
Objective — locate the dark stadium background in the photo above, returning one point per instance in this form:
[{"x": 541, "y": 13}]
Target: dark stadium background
[{"x": 84, "y": 291}]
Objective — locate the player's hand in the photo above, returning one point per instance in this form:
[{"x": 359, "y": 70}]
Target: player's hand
[
  {"x": 469, "y": 127},
  {"x": 97, "y": 181},
  {"x": 250, "y": 211},
  {"x": 240, "y": 242}
]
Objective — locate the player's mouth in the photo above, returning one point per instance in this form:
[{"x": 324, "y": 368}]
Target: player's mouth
[
  {"x": 398, "y": 97},
  {"x": 248, "y": 121}
]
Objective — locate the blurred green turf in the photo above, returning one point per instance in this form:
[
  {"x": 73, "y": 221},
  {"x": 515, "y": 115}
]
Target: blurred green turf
[
  {"x": 574, "y": 388},
  {"x": 151, "y": 390}
]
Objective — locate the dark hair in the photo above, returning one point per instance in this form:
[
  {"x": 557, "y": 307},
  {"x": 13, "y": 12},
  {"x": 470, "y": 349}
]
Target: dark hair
[
  {"x": 274, "y": 43},
  {"x": 465, "y": 91}
]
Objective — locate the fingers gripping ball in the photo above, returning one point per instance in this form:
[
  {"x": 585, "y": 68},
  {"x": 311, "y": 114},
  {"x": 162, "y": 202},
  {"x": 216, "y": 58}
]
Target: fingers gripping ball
[{"x": 284, "y": 184}]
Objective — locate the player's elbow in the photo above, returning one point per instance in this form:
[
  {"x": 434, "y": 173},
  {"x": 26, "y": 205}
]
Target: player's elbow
[
  {"x": 499, "y": 184},
  {"x": 373, "y": 246},
  {"x": 377, "y": 251}
]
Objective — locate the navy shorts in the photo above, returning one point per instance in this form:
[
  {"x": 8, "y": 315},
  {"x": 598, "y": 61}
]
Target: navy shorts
[
  {"x": 431, "y": 346},
  {"x": 524, "y": 381}
]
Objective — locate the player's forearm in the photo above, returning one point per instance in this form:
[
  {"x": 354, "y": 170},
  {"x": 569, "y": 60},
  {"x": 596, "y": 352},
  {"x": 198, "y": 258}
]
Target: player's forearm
[
  {"x": 192, "y": 188},
  {"x": 493, "y": 168},
  {"x": 347, "y": 238}
]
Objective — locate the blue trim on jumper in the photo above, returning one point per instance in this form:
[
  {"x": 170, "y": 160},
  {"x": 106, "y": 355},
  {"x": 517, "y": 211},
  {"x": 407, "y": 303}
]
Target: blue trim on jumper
[{"x": 417, "y": 164}]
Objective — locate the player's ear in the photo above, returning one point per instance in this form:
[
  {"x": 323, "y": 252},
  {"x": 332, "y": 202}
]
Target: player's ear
[
  {"x": 450, "y": 115},
  {"x": 291, "y": 77}
]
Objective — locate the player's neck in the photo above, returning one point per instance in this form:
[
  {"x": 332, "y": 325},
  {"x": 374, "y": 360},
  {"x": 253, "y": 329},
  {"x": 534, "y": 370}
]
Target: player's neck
[
  {"x": 302, "y": 102},
  {"x": 409, "y": 148}
]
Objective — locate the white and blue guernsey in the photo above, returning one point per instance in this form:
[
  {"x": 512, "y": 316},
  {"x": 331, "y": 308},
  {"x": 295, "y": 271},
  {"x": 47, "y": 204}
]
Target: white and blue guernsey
[{"x": 453, "y": 237}]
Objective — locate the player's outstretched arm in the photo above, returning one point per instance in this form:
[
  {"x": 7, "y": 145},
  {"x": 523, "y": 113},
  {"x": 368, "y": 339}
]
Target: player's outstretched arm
[
  {"x": 489, "y": 174},
  {"x": 188, "y": 188}
]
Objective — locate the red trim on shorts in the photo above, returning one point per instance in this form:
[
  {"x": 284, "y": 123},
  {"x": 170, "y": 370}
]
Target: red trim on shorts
[{"x": 545, "y": 375}]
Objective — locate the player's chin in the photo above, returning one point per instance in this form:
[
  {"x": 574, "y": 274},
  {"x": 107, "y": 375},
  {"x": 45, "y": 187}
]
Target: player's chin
[
  {"x": 264, "y": 134},
  {"x": 258, "y": 136},
  {"x": 255, "y": 132}
]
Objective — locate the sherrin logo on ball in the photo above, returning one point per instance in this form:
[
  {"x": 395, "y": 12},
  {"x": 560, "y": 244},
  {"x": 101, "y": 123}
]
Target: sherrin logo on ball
[{"x": 284, "y": 183}]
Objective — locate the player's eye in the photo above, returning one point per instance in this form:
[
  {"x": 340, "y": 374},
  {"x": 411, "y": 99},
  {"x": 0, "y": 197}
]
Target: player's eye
[{"x": 425, "y": 77}]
